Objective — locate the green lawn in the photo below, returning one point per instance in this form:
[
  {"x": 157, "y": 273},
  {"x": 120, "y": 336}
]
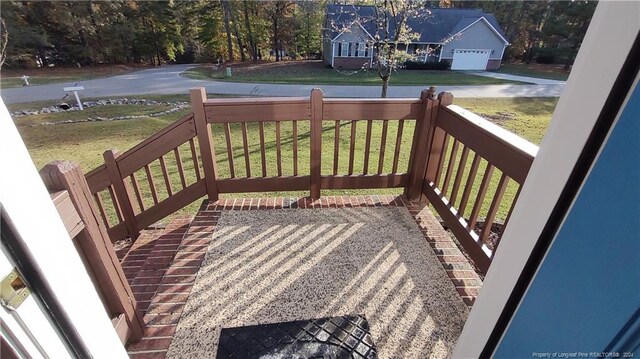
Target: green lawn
[
  {"x": 85, "y": 142},
  {"x": 316, "y": 73},
  {"x": 552, "y": 72}
]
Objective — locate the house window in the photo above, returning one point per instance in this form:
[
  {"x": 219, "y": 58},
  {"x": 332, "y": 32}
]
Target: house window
[
  {"x": 343, "y": 50},
  {"x": 362, "y": 49}
]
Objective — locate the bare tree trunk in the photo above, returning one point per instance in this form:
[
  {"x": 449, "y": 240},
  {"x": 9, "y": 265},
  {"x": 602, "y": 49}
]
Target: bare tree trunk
[
  {"x": 94, "y": 23},
  {"x": 4, "y": 39},
  {"x": 234, "y": 20},
  {"x": 247, "y": 24},
  {"x": 157, "y": 45},
  {"x": 275, "y": 37},
  {"x": 227, "y": 29},
  {"x": 125, "y": 48},
  {"x": 385, "y": 86}
]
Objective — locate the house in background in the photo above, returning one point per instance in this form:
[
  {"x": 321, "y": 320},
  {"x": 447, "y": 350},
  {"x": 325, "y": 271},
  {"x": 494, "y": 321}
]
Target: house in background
[{"x": 468, "y": 39}]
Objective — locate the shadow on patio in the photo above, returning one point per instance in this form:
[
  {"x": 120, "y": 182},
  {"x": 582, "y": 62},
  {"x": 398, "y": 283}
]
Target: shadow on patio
[{"x": 350, "y": 256}]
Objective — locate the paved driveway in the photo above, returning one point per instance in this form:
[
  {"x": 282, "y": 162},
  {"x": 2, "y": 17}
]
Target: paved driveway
[{"x": 167, "y": 80}]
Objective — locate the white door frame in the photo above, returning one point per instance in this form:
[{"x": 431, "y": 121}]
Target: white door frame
[
  {"x": 595, "y": 70},
  {"x": 29, "y": 206}
]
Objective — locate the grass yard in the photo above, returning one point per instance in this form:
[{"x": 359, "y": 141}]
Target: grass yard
[
  {"x": 85, "y": 142},
  {"x": 543, "y": 71},
  {"x": 42, "y": 76},
  {"x": 314, "y": 72}
]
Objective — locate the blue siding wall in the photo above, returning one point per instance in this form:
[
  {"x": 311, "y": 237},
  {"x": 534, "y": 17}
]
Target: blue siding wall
[{"x": 589, "y": 284}]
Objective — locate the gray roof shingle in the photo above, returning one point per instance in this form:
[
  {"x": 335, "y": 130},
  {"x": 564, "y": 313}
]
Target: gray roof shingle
[{"x": 433, "y": 25}]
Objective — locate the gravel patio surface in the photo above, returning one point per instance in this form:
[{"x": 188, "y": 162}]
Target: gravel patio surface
[{"x": 282, "y": 265}]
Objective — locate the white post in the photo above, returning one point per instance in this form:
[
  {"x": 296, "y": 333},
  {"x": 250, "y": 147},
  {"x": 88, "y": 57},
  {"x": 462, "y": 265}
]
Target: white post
[
  {"x": 75, "y": 90},
  {"x": 25, "y": 78},
  {"x": 75, "y": 93}
]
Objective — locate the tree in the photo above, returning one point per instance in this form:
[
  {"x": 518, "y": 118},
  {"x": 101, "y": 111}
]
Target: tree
[
  {"x": 567, "y": 30},
  {"x": 392, "y": 30},
  {"x": 159, "y": 35},
  {"x": 308, "y": 33},
  {"x": 389, "y": 19},
  {"x": 253, "y": 46},
  {"x": 210, "y": 33},
  {"x": 227, "y": 29},
  {"x": 234, "y": 21},
  {"x": 4, "y": 39},
  {"x": 43, "y": 33},
  {"x": 279, "y": 13}
]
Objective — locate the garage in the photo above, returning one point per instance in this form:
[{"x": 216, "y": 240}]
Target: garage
[{"x": 470, "y": 59}]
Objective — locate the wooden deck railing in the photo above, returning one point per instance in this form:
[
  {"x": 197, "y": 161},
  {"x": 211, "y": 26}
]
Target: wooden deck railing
[
  {"x": 448, "y": 144},
  {"x": 459, "y": 138},
  {"x": 137, "y": 204},
  {"x": 72, "y": 197}
]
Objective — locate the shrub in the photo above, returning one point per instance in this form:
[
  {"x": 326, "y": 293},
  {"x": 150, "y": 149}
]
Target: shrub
[
  {"x": 549, "y": 55},
  {"x": 417, "y": 65}
]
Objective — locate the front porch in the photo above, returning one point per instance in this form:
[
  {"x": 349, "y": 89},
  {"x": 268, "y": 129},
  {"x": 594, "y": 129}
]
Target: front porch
[
  {"x": 242, "y": 262},
  {"x": 383, "y": 261}
]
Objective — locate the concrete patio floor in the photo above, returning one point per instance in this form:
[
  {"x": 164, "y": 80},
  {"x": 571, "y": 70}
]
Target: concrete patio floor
[{"x": 377, "y": 256}]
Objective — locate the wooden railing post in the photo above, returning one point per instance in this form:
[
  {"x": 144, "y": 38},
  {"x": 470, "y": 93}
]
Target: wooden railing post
[
  {"x": 205, "y": 139},
  {"x": 316, "y": 142},
  {"x": 436, "y": 147},
  {"x": 95, "y": 244},
  {"x": 123, "y": 193},
  {"x": 421, "y": 142}
]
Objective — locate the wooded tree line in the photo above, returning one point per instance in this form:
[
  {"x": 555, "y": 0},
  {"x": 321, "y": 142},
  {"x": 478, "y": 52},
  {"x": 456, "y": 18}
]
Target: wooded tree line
[{"x": 155, "y": 32}]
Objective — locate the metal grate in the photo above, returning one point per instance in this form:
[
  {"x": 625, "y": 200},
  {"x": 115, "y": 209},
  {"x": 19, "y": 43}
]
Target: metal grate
[{"x": 326, "y": 338}]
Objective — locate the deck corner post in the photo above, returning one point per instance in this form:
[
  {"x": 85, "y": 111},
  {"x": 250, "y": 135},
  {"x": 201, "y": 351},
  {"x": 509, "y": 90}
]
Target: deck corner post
[
  {"x": 421, "y": 144},
  {"x": 446, "y": 98},
  {"x": 438, "y": 137},
  {"x": 93, "y": 240},
  {"x": 316, "y": 109},
  {"x": 205, "y": 140},
  {"x": 122, "y": 192},
  {"x": 430, "y": 93}
]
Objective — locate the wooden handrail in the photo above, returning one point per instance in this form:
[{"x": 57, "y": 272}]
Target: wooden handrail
[
  {"x": 257, "y": 110},
  {"x": 371, "y": 109},
  {"x": 96, "y": 247},
  {"x": 157, "y": 145},
  {"x": 511, "y": 153},
  {"x": 434, "y": 171},
  {"x": 510, "y": 139},
  {"x": 98, "y": 179},
  {"x": 454, "y": 133}
]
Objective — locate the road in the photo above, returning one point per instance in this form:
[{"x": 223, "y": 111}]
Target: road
[{"x": 167, "y": 80}]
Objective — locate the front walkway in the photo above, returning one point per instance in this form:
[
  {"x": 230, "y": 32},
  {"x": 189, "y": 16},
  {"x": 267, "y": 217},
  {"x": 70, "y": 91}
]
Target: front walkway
[
  {"x": 164, "y": 265},
  {"x": 534, "y": 80}
]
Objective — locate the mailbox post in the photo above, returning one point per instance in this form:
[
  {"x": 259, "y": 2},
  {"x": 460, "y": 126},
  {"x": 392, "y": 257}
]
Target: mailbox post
[{"x": 75, "y": 90}]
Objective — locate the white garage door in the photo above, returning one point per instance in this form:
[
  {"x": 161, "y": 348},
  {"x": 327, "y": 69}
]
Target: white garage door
[{"x": 470, "y": 59}]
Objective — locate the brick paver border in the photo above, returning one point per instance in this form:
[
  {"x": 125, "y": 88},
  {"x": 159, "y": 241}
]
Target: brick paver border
[{"x": 161, "y": 266}]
